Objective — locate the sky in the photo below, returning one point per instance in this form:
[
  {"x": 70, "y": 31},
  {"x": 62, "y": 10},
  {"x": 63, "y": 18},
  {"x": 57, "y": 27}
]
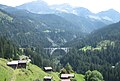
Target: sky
[{"x": 93, "y": 5}]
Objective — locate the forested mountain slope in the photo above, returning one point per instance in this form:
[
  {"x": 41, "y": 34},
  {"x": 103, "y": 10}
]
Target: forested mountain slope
[
  {"x": 84, "y": 23},
  {"x": 32, "y": 32},
  {"x": 100, "y": 50},
  {"x": 27, "y": 28},
  {"x": 20, "y": 29}
]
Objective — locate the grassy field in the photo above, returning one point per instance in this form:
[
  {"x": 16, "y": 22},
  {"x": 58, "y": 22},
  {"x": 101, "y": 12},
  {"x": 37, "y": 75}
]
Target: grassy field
[
  {"x": 32, "y": 73},
  {"x": 5, "y": 71},
  {"x": 79, "y": 77}
]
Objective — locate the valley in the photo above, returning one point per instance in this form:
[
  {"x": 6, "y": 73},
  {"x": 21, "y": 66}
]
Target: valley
[{"x": 71, "y": 40}]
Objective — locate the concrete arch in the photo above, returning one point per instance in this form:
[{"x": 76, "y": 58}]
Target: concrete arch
[{"x": 51, "y": 50}]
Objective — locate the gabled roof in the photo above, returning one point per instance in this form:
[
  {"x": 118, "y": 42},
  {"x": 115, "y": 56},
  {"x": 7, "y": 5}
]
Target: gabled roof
[
  {"x": 22, "y": 61},
  {"x": 67, "y": 75},
  {"x": 71, "y": 75},
  {"x": 48, "y": 68},
  {"x": 47, "y": 77},
  {"x": 12, "y": 63},
  {"x": 16, "y": 62}
]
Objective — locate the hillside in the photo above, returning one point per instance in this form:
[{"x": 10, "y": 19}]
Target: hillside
[
  {"x": 110, "y": 32},
  {"x": 111, "y": 13},
  {"x": 98, "y": 51},
  {"x": 84, "y": 23},
  {"x": 30, "y": 34},
  {"x": 32, "y": 73},
  {"x": 47, "y": 29},
  {"x": 17, "y": 28}
]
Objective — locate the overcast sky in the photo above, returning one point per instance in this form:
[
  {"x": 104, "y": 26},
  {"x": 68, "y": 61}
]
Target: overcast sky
[{"x": 92, "y": 5}]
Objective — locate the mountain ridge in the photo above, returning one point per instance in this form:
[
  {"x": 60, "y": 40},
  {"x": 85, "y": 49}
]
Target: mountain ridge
[
  {"x": 99, "y": 50},
  {"x": 35, "y": 25},
  {"x": 82, "y": 13}
]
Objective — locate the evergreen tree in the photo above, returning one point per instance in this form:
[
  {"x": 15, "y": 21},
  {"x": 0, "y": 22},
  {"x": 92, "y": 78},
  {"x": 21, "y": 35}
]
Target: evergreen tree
[
  {"x": 68, "y": 68},
  {"x": 93, "y": 76}
]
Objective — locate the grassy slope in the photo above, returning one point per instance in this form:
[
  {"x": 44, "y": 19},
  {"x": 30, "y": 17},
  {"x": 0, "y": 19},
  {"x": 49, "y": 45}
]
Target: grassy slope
[
  {"x": 79, "y": 77},
  {"x": 30, "y": 74},
  {"x": 5, "y": 71}
]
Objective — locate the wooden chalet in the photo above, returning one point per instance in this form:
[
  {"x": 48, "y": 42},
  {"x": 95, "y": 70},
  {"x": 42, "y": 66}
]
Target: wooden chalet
[
  {"x": 67, "y": 76},
  {"x": 22, "y": 63},
  {"x": 13, "y": 64},
  {"x": 48, "y": 69},
  {"x": 17, "y": 64}
]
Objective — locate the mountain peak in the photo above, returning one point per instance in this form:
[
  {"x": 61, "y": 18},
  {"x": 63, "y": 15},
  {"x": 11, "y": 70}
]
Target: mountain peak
[
  {"x": 112, "y": 10},
  {"x": 109, "y": 11},
  {"x": 34, "y": 3},
  {"x": 82, "y": 11},
  {"x": 38, "y": 6},
  {"x": 39, "y": 2}
]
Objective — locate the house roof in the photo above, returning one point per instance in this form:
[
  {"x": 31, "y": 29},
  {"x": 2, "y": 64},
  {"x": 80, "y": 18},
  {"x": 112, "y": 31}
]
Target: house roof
[
  {"x": 12, "y": 63},
  {"x": 48, "y": 68},
  {"x": 22, "y": 61},
  {"x": 47, "y": 77},
  {"x": 64, "y": 76},
  {"x": 71, "y": 75},
  {"x": 16, "y": 62},
  {"x": 67, "y": 75}
]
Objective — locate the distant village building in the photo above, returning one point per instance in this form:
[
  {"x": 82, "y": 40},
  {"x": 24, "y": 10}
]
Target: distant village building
[
  {"x": 71, "y": 75},
  {"x": 13, "y": 64},
  {"x": 17, "y": 64},
  {"x": 22, "y": 63},
  {"x": 48, "y": 69},
  {"x": 47, "y": 78},
  {"x": 67, "y": 76}
]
